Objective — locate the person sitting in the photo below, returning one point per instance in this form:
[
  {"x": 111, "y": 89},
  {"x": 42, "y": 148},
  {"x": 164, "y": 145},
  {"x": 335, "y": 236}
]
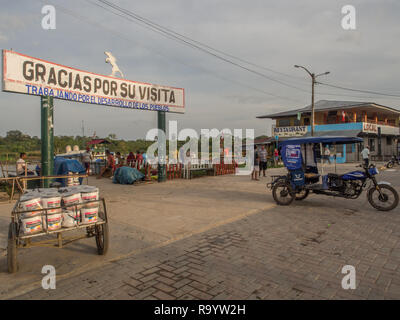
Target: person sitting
[
  {"x": 131, "y": 159},
  {"x": 110, "y": 165},
  {"x": 21, "y": 166}
]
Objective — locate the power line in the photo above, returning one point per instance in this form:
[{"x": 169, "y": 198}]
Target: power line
[
  {"x": 143, "y": 19},
  {"x": 199, "y": 45},
  {"x": 122, "y": 36},
  {"x": 359, "y": 90},
  {"x": 195, "y": 46},
  {"x": 75, "y": 15}
]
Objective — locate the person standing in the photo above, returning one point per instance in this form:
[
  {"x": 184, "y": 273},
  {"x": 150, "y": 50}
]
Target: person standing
[
  {"x": 119, "y": 160},
  {"x": 263, "y": 160},
  {"x": 86, "y": 158},
  {"x": 139, "y": 160},
  {"x": 131, "y": 159},
  {"x": 256, "y": 168},
  {"x": 276, "y": 156},
  {"x": 327, "y": 154},
  {"x": 144, "y": 156},
  {"x": 365, "y": 155}
]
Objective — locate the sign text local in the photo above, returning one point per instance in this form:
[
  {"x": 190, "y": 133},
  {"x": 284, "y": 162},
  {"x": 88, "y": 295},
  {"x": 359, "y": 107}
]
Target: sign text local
[
  {"x": 24, "y": 74},
  {"x": 290, "y": 131},
  {"x": 370, "y": 127}
]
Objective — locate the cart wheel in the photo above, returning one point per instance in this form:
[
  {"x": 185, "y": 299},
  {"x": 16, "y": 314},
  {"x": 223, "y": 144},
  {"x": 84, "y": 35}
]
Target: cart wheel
[
  {"x": 102, "y": 238},
  {"x": 12, "y": 248}
]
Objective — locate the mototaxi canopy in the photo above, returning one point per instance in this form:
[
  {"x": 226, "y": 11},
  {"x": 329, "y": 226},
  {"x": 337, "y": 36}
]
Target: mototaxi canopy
[{"x": 292, "y": 149}]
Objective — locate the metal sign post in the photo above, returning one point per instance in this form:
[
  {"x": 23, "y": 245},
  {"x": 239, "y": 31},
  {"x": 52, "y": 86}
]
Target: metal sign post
[
  {"x": 162, "y": 176},
  {"x": 47, "y": 136}
]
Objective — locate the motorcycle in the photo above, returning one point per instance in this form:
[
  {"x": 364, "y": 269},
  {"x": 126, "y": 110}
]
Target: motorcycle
[
  {"x": 392, "y": 162},
  {"x": 303, "y": 178}
]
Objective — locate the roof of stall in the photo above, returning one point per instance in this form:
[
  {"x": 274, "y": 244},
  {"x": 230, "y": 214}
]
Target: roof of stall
[{"x": 98, "y": 141}]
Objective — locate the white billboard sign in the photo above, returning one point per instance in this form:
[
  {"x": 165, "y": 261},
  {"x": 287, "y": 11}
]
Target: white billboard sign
[
  {"x": 289, "y": 131},
  {"x": 24, "y": 74}
]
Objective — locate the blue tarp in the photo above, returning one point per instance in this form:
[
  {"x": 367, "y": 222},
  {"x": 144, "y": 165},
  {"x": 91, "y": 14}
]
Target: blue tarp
[
  {"x": 62, "y": 166},
  {"x": 322, "y": 139},
  {"x": 127, "y": 175}
]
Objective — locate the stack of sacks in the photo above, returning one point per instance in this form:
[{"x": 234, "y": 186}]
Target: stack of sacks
[
  {"x": 31, "y": 220},
  {"x": 65, "y": 206}
]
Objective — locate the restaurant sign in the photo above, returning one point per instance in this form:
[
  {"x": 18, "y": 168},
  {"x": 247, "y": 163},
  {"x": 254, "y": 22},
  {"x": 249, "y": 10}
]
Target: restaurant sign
[
  {"x": 33, "y": 76},
  {"x": 292, "y": 131}
]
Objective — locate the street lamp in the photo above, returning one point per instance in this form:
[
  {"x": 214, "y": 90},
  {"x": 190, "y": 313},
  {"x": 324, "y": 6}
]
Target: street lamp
[{"x": 313, "y": 77}]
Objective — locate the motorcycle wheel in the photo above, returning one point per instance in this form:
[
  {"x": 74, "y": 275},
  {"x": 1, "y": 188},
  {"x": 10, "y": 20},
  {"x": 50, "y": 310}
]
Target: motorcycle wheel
[
  {"x": 389, "y": 165},
  {"x": 302, "y": 194},
  {"x": 385, "y": 202},
  {"x": 282, "y": 193}
]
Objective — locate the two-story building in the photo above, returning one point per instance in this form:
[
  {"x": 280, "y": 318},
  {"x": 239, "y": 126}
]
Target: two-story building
[{"x": 378, "y": 125}]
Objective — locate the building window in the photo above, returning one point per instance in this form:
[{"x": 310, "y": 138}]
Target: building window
[
  {"x": 371, "y": 143},
  {"x": 284, "y": 122},
  {"x": 350, "y": 148},
  {"x": 339, "y": 151},
  {"x": 306, "y": 121},
  {"x": 331, "y": 117},
  {"x": 296, "y": 122},
  {"x": 388, "y": 141}
]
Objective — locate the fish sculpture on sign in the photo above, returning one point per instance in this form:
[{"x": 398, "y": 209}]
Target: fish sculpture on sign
[{"x": 113, "y": 61}]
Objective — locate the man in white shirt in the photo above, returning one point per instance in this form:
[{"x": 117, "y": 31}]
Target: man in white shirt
[
  {"x": 21, "y": 165},
  {"x": 365, "y": 155},
  {"x": 86, "y": 158},
  {"x": 327, "y": 154}
]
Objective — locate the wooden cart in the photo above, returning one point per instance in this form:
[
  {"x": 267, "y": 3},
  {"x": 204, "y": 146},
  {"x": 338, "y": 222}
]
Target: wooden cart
[{"x": 18, "y": 240}]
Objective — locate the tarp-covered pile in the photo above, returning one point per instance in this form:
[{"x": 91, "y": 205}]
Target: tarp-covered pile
[
  {"x": 127, "y": 175},
  {"x": 63, "y": 166}
]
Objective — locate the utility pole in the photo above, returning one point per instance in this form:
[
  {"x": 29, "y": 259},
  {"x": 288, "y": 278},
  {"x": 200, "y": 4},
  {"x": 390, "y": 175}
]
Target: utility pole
[
  {"x": 313, "y": 82},
  {"x": 161, "y": 124},
  {"x": 312, "y": 105}
]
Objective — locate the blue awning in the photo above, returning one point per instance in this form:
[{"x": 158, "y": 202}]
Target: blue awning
[{"x": 321, "y": 139}]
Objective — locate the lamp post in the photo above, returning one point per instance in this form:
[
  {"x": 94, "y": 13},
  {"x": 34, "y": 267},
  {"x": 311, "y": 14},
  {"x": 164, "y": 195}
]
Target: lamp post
[{"x": 313, "y": 77}]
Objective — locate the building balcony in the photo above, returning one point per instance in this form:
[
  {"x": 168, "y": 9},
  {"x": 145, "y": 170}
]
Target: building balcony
[{"x": 361, "y": 127}]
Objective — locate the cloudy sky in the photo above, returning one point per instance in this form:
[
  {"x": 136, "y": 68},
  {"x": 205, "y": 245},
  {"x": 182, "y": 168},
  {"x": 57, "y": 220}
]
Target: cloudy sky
[{"x": 273, "y": 35}]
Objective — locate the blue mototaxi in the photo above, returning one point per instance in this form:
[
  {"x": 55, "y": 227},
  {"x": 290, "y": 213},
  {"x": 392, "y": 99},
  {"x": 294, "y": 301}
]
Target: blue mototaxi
[{"x": 300, "y": 156}]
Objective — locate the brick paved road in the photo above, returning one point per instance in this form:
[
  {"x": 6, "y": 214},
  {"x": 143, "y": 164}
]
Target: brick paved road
[{"x": 294, "y": 252}]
